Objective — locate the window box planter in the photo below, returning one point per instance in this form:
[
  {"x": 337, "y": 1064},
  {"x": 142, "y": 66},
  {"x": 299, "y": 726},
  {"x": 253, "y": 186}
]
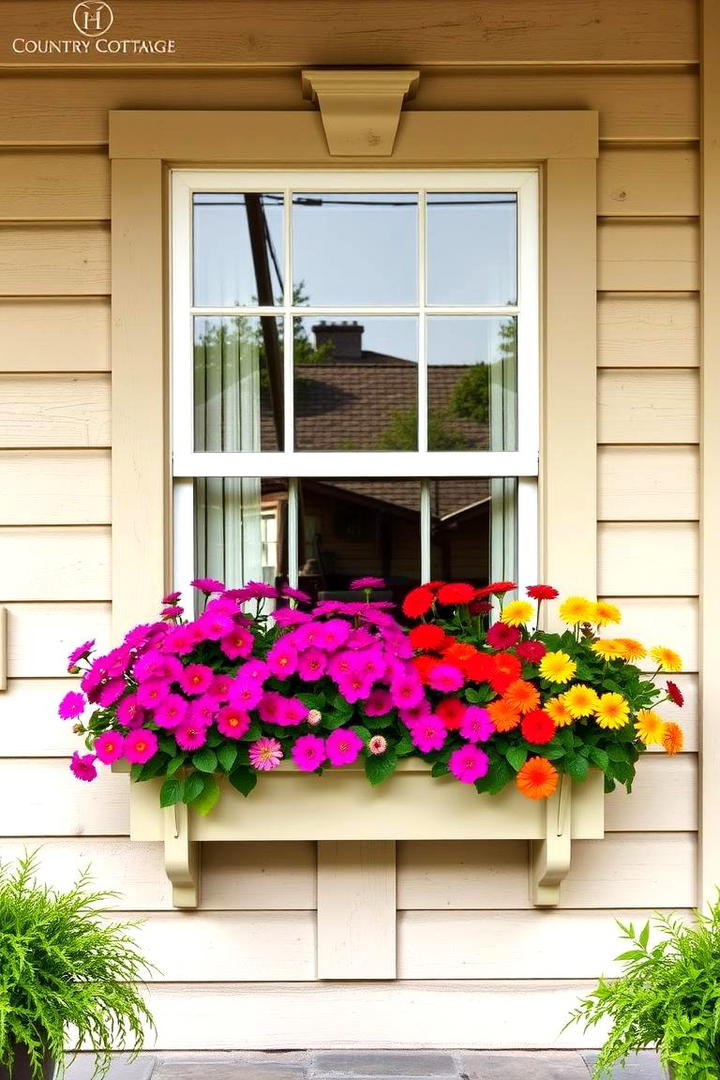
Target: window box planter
[{"x": 341, "y": 805}]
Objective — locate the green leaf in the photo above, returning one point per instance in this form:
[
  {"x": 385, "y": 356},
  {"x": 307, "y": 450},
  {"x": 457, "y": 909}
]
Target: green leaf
[
  {"x": 227, "y": 756},
  {"x": 644, "y": 935},
  {"x": 243, "y": 780},
  {"x": 379, "y": 767},
  {"x": 576, "y": 766},
  {"x": 193, "y": 787},
  {"x": 439, "y": 769},
  {"x": 208, "y": 797},
  {"x": 404, "y": 746},
  {"x": 171, "y": 792},
  {"x": 361, "y": 732},
  {"x": 516, "y": 756},
  {"x": 253, "y": 732},
  {"x": 174, "y": 765},
  {"x": 205, "y": 760},
  {"x": 598, "y": 757},
  {"x": 156, "y": 766}
]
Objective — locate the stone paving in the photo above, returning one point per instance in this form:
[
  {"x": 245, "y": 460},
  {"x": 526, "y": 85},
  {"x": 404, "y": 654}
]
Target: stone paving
[{"x": 370, "y": 1065}]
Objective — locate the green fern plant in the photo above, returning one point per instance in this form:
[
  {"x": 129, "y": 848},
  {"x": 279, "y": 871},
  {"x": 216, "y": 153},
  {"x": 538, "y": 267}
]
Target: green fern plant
[
  {"x": 668, "y": 997},
  {"x": 67, "y": 976}
]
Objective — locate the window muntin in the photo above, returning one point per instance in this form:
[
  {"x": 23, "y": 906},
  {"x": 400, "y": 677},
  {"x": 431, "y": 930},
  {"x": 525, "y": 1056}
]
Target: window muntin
[{"x": 250, "y": 394}]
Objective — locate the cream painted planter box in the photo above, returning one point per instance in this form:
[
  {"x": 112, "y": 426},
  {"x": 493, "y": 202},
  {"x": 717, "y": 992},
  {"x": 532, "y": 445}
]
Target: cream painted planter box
[{"x": 341, "y": 805}]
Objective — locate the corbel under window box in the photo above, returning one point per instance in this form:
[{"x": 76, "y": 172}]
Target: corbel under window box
[{"x": 340, "y": 805}]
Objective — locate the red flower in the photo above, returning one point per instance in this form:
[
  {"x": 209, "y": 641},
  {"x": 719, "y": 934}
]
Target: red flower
[
  {"x": 451, "y": 711},
  {"x": 507, "y": 669},
  {"x": 456, "y": 593},
  {"x": 479, "y": 607},
  {"x": 675, "y": 694},
  {"x": 417, "y": 602},
  {"x": 426, "y": 636},
  {"x": 537, "y": 727},
  {"x": 542, "y": 592},
  {"x": 497, "y": 588},
  {"x": 434, "y": 585},
  {"x": 532, "y": 651},
  {"x": 501, "y": 636},
  {"x": 480, "y": 667},
  {"x": 424, "y": 665}
]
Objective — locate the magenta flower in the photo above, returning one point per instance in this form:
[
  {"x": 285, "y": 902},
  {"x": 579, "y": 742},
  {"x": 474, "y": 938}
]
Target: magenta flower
[
  {"x": 110, "y": 692},
  {"x": 207, "y": 585},
  {"x": 468, "y": 763},
  {"x": 355, "y": 686},
  {"x": 129, "y": 712},
  {"x": 377, "y": 745},
  {"x": 501, "y": 636},
  {"x": 255, "y": 671},
  {"x": 379, "y": 703},
  {"x": 139, "y": 635},
  {"x": 260, "y": 590},
  {"x": 428, "y": 734},
  {"x": 118, "y": 661},
  {"x": 269, "y": 706},
  {"x": 157, "y": 665},
  {"x": 343, "y": 747},
  {"x": 406, "y": 690},
  {"x": 219, "y": 688},
  {"x": 151, "y": 693},
  {"x": 171, "y": 711},
  {"x": 80, "y": 653},
  {"x": 196, "y": 679},
  {"x": 415, "y": 713},
  {"x": 367, "y": 583},
  {"x": 476, "y": 724},
  {"x": 290, "y": 711},
  {"x": 370, "y": 662},
  {"x": 265, "y": 754},
  {"x": 245, "y": 693},
  {"x": 83, "y": 766},
  {"x": 173, "y": 612},
  {"x": 109, "y": 747},
  {"x": 71, "y": 705},
  {"x": 171, "y": 598},
  {"x": 446, "y": 678},
  {"x": 295, "y": 594},
  {"x": 312, "y": 665},
  {"x": 179, "y": 640},
  {"x": 238, "y": 643},
  {"x": 282, "y": 660},
  {"x": 361, "y": 639},
  {"x": 288, "y": 616},
  {"x": 232, "y": 722},
  {"x": 202, "y": 710},
  {"x": 190, "y": 736},
  {"x": 215, "y": 625},
  {"x": 333, "y": 634},
  {"x": 140, "y": 746},
  {"x": 309, "y": 752}
]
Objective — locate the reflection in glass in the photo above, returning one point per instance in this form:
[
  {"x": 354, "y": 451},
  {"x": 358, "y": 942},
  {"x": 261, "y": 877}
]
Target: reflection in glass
[
  {"x": 350, "y": 528},
  {"x": 355, "y": 249},
  {"x": 472, "y": 249},
  {"x": 472, "y": 382},
  {"x": 241, "y": 530},
  {"x": 238, "y": 376},
  {"x": 473, "y": 529},
  {"x": 356, "y": 384},
  {"x": 237, "y": 249}
]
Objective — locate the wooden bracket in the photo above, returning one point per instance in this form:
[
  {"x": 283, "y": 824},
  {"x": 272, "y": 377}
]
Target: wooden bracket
[
  {"x": 360, "y": 109},
  {"x": 550, "y": 858},
  {"x": 182, "y": 857}
]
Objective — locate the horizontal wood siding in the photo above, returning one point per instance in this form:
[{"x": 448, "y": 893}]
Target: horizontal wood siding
[{"x": 472, "y": 954}]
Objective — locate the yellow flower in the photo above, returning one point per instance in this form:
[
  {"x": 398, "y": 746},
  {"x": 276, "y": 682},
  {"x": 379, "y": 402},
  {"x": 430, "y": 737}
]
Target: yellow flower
[
  {"x": 650, "y": 727},
  {"x": 608, "y": 649},
  {"x": 557, "y": 711},
  {"x": 604, "y": 613},
  {"x": 580, "y": 700},
  {"x": 557, "y": 667},
  {"x": 576, "y": 609},
  {"x": 517, "y": 613},
  {"x": 667, "y": 659},
  {"x": 631, "y": 649},
  {"x": 612, "y": 711}
]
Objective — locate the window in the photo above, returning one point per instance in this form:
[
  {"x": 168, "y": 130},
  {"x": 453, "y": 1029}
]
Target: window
[{"x": 355, "y": 376}]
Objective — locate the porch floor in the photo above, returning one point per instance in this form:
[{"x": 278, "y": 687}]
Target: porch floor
[{"x": 369, "y": 1065}]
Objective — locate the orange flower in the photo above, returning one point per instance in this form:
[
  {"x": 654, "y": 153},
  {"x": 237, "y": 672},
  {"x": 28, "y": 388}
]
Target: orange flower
[
  {"x": 537, "y": 779},
  {"x": 460, "y": 651},
  {"x": 424, "y": 665},
  {"x": 522, "y": 695},
  {"x": 557, "y": 709},
  {"x": 503, "y": 716},
  {"x": 673, "y": 738}
]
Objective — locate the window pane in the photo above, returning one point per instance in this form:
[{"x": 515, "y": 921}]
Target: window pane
[
  {"x": 241, "y": 530},
  {"x": 355, "y": 249},
  {"x": 472, "y": 383},
  {"x": 238, "y": 391},
  {"x": 472, "y": 249},
  {"x": 350, "y": 528},
  {"x": 237, "y": 249},
  {"x": 474, "y": 529},
  {"x": 356, "y": 384}
]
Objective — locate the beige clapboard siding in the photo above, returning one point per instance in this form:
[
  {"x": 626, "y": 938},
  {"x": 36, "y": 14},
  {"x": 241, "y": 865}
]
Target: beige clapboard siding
[
  {"x": 648, "y": 483},
  {"x": 40, "y": 636},
  {"x": 648, "y": 331},
  {"x": 54, "y": 260},
  {"x": 644, "y": 105},
  {"x": 648, "y": 558},
  {"x": 623, "y": 870},
  {"x": 688, "y": 715},
  {"x": 29, "y": 721},
  {"x": 62, "y": 410},
  {"x": 649, "y": 181},
  {"x": 52, "y": 185},
  {"x": 663, "y": 798},
  {"x": 648, "y": 406},
  {"x": 55, "y": 334},
  {"x": 661, "y": 620},
  {"x": 55, "y": 487},
  {"x": 41, "y": 798},
  {"x": 648, "y": 255},
  {"x": 55, "y": 563}
]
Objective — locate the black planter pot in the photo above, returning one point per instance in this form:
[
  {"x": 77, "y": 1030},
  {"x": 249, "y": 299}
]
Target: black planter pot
[{"x": 21, "y": 1067}]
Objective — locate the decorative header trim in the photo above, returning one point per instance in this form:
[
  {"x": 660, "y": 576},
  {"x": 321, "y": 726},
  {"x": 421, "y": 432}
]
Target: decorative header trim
[{"x": 360, "y": 110}]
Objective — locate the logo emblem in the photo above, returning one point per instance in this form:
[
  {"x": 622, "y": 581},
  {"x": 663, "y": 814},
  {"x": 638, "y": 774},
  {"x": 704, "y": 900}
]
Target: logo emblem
[{"x": 93, "y": 18}]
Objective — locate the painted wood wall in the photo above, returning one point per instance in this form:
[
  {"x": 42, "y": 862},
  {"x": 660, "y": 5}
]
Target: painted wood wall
[{"x": 477, "y": 966}]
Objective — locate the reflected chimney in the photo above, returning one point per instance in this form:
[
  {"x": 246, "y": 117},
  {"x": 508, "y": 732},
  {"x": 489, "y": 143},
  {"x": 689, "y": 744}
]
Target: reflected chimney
[{"x": 345, "y": 338}]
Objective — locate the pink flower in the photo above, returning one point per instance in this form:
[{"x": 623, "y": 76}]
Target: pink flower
[
  {"x": 220, "y": 687},
  {"x": 406, "y": 690},
  {"x": 370, "y": 662},
  {"x": 355, "y": 686},
  {"x": 312, "y": 665},
  {"x": 140, "y": 746},
  {"x": 215, "y": 625},
  {"x": 265, "y": 754},
  {"x": 232, "y": 722},
  {"x": 415, "y": 713},
  {"x": 255, "y": 671},
  {"x": 156, "y": 665},
  {"x": 290, "y": 712},
  {"x": 83, "y": 766},
  {"x": 333, "y": 634},
  {"x": 111, "y": 691},
  {"x": 109, "y": 747},
  {"x": 151, "y": 693},
  {"x": 295, "y": 594},
  {"x": 468, "y": 763},
  {"x": 288, "y": 616},
  {"x": 202, "y": 710},
  {"x": 360, "y": 639},
  {"x": 446, "y": 678},
  {"x": 341, "y": 665},
  {"x": 269, "y": 706},
  {"x": 71, "y": 705},
  {"x": 196, "y": 679},
  {"x": 313, "y": 718},
  {"x": 190, "y": 736},
  {"x": 238, "y": 643},
  {"x": 476, "y": 724},
  {"x": 309, "y": 752},
  {"x": 171, "y": 711},
  {"x": 245, "y": 693},
  {"x": 129, "y": 712},
  {"x": 343, "y": 747},
  {"x": 118, "y": 661},
  {"x": 173, "y": 612},
  {"x": 428, "y": 734},
  {"x": 501, "y": 636},
  {"x": 170, "y": 598},
  {"x": 207, "y": 585},
  {"x": 379, "y": 703},
  {"x": 367, "y": 583},
  {"x": 282, "y": 660},
  {"x": 260, "y": 590},
  {"x": 179, "y": 640},
  {"x": 378, "y": 744},
  {"x": 139, "y": 635},
  {"x": 80, "y": 653}
]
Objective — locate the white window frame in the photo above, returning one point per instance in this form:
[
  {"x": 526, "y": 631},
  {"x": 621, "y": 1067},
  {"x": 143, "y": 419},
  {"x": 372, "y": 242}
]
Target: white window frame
[{"x": 521, "y": 464}]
